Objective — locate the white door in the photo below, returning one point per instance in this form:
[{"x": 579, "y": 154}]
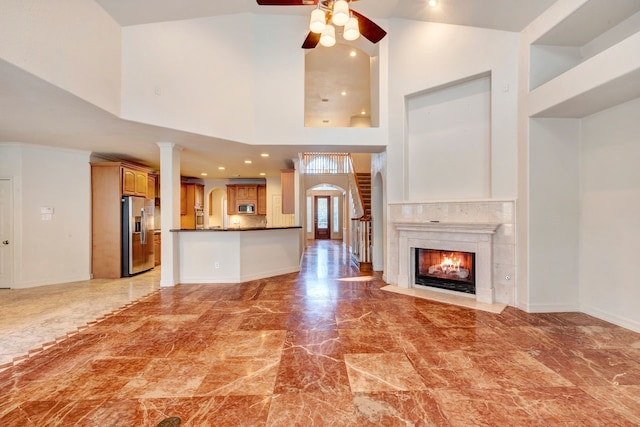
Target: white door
[{"x": 6, "y": 251}]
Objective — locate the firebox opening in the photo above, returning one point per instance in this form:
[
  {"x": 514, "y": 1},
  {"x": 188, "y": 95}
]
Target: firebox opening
[{"x": 454, "y": 271}]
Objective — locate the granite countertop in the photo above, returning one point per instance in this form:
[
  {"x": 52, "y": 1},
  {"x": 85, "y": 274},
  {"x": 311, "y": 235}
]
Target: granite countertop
[{"x": 236, "y": 229}]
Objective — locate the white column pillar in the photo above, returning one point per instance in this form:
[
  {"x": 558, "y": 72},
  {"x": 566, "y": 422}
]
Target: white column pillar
[{"x": 170, "y": 211}]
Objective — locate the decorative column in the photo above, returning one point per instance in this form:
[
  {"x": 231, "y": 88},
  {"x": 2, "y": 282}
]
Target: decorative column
[{"x": 170, "y": 203}]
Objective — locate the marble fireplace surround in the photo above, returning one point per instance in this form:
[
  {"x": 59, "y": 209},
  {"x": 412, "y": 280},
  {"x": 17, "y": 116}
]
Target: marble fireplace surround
[{"x": 449, "y": 236}]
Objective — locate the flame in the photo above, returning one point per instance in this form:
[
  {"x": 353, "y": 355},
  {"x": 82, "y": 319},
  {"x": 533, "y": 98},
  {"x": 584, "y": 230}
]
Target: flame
[{"x": 450, "y": 264}]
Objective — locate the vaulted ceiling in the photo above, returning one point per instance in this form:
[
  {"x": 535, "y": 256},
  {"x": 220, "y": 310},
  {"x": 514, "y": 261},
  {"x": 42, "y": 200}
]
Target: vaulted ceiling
[{"x": 34, "y": 111}]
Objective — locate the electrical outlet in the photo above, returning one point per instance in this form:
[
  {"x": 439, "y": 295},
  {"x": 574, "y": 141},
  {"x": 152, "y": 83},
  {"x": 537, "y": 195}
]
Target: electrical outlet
[{"x": 216, "y": 264}]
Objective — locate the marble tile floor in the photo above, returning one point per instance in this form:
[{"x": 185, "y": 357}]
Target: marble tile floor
[
  {"x": 311, "y": 349},
  {"x": 36, "y": 318}
]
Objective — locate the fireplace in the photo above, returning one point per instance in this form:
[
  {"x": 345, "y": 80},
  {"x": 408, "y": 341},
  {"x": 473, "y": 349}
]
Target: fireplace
[
  {"x": 453, "y": 271},
  {"x": 474, "y": 238}
]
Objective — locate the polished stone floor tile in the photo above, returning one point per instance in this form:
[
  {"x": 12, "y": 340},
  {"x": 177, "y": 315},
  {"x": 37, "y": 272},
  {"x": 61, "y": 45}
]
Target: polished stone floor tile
[{"x": 322, "y": 347}]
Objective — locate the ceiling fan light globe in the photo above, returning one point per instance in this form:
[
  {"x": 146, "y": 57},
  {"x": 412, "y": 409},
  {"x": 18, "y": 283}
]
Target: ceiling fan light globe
[
  {"x": 317, "y": 24},
  {"x": 340, "y": 14},
  {"x": 328, "y": 37},
  {"x": 351, "y": 29}
]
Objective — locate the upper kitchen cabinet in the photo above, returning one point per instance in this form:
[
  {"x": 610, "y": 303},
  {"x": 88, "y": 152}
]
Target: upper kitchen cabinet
[
  {"x": 247, "y": 194},
  {"x": 135, "y": 181},
  {"x": 152, "y": 186}
]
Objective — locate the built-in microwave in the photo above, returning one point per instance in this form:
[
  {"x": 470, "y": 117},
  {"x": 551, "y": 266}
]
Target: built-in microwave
[{"x": 246, "y": 208}]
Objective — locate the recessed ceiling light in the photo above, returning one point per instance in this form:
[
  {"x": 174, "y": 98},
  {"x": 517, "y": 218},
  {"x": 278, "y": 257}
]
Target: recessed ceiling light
[
  {"x": 203, "y": 174},
  {"x": 343, "y": 93},
  {"x": 220, "y": 168},
  {"x": 264, "y": 155},
  {"x": 248, "y": 162},
  {"x": 262, "y": 174},
  {"x": 363, "y": 112},
  {"x": 352, "y": 53},
  {"x": 432, "y": 3}
]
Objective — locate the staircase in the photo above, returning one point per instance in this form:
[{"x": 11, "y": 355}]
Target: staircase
[
  {"x": 364, "y": 183},
  {"x": 362, "y": 226}
]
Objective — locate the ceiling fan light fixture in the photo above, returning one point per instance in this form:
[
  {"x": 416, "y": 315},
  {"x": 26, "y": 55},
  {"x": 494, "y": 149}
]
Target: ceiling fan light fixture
[
  {"x": 318, "y": 21},
  {"x": 340, "y": 14},
  {"x": 328, "y": 37},
  {"x": 351, "y": 29}
]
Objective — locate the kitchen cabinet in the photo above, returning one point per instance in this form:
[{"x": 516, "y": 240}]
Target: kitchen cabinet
[
  {"x": 287, "y": 178},
  {"x": 251, "y": 194},
  {"x": 109, "y": 182},
  {"x": 262, "y": 200},
  {"x": 157, "y": 246},
  {"x": 232, "y": 204},
  {"x": 134, "y": 181},
  {"x": 248, "y": 193},
  {"x": 151, "y": 186},
  {"x": 191, "y": 198}
]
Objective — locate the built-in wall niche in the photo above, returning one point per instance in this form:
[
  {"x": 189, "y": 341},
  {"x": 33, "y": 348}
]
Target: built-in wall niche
[
  {"x": 591, "y": 29},
  {"x": 449, "y": 141},
  {"x": 340, "y": 84}
]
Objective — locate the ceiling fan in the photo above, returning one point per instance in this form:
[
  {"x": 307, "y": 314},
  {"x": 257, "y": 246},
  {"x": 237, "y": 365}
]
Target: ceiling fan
[{"x": 333, "y": 11}]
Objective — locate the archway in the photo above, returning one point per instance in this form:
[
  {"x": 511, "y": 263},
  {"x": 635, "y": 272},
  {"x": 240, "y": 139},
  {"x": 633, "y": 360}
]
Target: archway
[
  {"x": 217, "y": 212},
  {"x": 337, "y": 210}
]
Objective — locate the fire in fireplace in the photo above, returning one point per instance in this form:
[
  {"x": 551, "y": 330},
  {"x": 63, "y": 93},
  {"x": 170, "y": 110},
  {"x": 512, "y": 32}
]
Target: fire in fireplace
[{"x": 454, "y": 271}]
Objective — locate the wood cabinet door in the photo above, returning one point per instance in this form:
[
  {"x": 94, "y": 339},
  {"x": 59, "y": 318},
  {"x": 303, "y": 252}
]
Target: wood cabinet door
[
  {"x": 199, "y": 195},
  {"x": 231, "y": 199},
  {"x": 183, "y": 199},
  {"x": 262, "y": 200},
  {"x": 252, "y": 193},
  {"x": 157, "y": 246},
  {"x": 151, "y": 186},
  {"x": 242, "y": 192},
  {"x": 128, "y": 182},
  {"x": 141, "y": 183}
]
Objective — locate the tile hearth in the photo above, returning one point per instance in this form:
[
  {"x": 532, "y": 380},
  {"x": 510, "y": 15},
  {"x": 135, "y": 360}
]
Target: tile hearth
[{"x": 326, "y": 347}]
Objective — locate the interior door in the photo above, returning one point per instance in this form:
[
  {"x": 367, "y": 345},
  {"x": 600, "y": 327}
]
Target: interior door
[
  {"x": 6, "y": 251},
  {"x": 322, "y": 217}
]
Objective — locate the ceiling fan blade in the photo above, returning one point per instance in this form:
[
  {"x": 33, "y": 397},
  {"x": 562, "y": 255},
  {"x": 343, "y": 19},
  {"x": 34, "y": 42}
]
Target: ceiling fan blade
[
  {"x": 311, "y": 41},
  {"x": 287, "y": 2},
  {"x": 369, "y": 29}
]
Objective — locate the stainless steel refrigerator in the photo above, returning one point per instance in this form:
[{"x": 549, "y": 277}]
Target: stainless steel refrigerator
[{"x": 137, "y": 235}]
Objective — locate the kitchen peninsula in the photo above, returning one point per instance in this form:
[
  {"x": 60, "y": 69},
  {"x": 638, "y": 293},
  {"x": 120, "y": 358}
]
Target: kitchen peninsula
[{"x": 235, "y": 255}]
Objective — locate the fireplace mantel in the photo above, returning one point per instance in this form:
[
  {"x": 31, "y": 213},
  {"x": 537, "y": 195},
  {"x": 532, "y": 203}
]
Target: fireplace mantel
[
  {"x": 473, "y": 237},
  {"x": 448, "y": 227}
]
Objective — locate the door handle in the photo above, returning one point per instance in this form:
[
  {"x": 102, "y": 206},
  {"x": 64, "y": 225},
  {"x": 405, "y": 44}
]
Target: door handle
[{"x": 5, "y": 242}]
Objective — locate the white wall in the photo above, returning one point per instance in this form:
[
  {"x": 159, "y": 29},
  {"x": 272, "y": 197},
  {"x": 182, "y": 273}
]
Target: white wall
[
  {"x": 194, "y": 75},
  {"x": 74, "y": 45},
  {"x": 449, "y": 142},
  {"x": 423, "y": 56},
  {"x": 59, "y": 250},
  {"x": 610, "y": 223},
  {"x": 554, "y": 157},
  {"x": 220, "y": 76}
]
